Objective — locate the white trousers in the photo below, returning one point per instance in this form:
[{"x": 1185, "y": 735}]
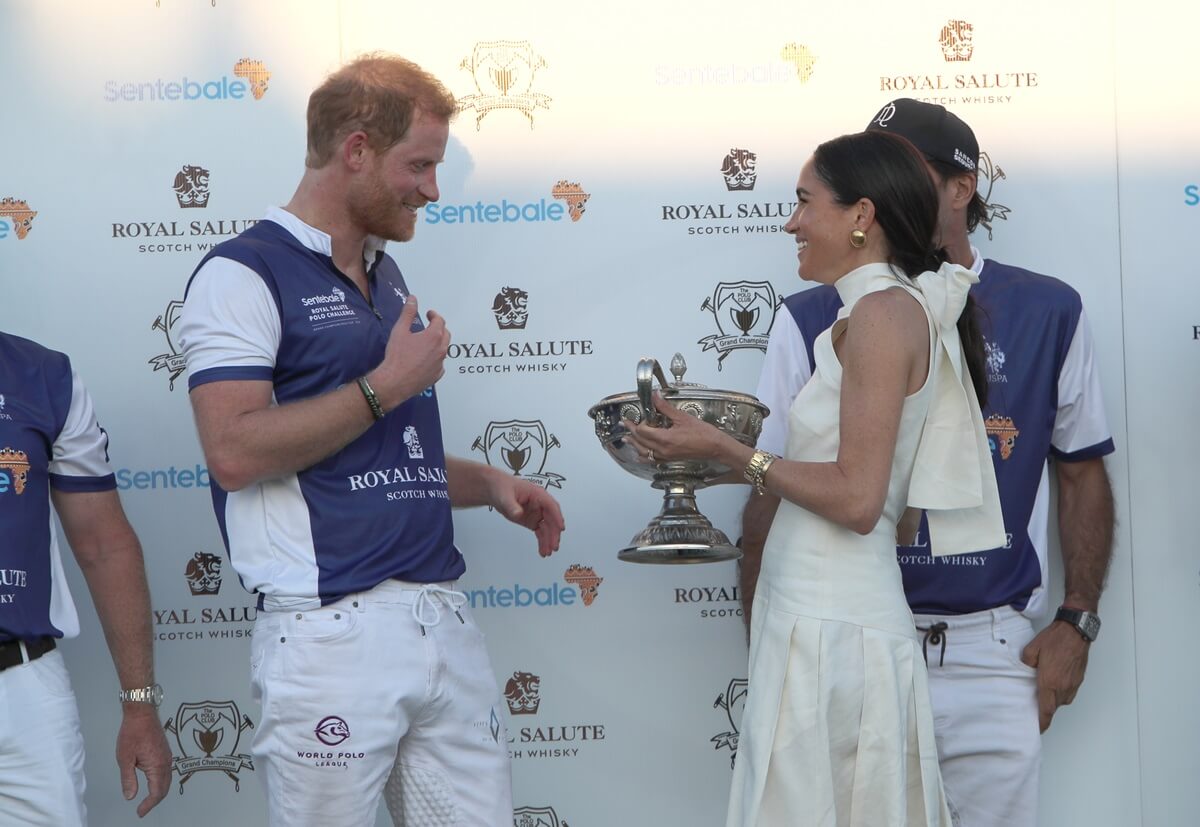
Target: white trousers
[
  {"x": 985, "y": 716},
  {"x": 41, "y": 746},
  {"x": 385, "y": 693}
]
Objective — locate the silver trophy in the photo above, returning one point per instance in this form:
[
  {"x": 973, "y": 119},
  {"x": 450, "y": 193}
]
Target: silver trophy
[{"x": 680, "y": 533}]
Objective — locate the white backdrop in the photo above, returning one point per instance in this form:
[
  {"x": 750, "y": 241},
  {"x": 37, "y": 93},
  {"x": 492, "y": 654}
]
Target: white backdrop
[{"x": 1084, "y": 109}]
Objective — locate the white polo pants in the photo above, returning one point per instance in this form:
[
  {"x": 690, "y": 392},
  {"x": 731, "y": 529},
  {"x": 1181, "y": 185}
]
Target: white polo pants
[
  {"x": 41, "y": 746},
  {"x": 985, "y": 716},
  {"x": 388, "y": 692}
]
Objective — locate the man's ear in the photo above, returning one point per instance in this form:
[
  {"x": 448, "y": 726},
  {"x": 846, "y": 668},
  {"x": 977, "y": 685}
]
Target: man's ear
[
  {"x": 356, "y": 149},
  {"x": 962, "y": 189}
]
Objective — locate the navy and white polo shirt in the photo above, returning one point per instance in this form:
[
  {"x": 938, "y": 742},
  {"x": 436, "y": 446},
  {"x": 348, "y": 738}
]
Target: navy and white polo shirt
[
  {"x": 1044, "y": 400},
  {"x": 49, "y": 438},
  {"x": 270, "y": 305}
]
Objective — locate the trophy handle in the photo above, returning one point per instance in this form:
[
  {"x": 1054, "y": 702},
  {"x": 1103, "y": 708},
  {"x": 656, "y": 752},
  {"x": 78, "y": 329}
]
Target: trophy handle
[{"x": 647, "y": 370}]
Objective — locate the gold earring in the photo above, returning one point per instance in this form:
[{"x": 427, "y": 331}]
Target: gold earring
[{"x": 858, "y": 239}]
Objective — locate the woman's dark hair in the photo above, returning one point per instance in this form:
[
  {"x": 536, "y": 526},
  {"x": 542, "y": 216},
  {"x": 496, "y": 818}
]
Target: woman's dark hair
[{"x": 889, "y": 171}]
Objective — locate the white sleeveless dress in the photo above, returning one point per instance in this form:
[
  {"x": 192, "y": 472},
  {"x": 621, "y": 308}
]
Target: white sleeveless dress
[{"x": 837, "y": 728}]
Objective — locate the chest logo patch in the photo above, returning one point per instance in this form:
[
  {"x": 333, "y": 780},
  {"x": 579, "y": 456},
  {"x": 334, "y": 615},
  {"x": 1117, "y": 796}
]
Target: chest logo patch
[
  {"x": 1002, "y": 434},
  {"x": 14, "y": 467}
]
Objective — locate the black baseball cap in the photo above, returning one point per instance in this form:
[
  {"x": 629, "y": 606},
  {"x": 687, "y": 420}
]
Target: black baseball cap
[{"x": 938, "y": 133}]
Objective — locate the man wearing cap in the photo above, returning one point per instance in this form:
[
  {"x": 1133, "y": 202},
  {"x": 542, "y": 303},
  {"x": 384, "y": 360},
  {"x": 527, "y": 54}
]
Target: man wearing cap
[
  {"x": 54, "y": 456},
  {"x": 995, "y": 684}
]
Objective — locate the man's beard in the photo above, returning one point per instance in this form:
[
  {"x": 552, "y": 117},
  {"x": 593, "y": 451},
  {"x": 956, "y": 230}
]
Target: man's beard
[{"x": 374, "y": 210}]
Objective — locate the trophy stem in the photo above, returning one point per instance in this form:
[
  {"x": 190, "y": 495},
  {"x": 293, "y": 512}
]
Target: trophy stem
[{"x": 680, "y": 533}]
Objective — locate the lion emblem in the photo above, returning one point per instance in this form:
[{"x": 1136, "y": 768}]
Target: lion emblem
[
  {"x": 203, "y": 573},
  {"x": 522, "y": 693},
  {"x": 739, "y": 169},
  {"x": 413, "y": 443},
  {"x": 256, "y": 72},
  {"x": 511, "y": 308},
  {"x": 191, "y": 186},
  {"x": 958, "y": 41}
]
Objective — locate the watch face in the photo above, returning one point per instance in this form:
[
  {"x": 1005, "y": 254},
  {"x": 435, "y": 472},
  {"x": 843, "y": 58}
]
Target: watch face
[
  {"x": 156, "y": 694},
  {"x": 1090, "y": 625}
]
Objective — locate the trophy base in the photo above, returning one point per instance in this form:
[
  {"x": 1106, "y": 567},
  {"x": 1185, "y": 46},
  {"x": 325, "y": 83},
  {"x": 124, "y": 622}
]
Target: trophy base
[
  {"x": 679, "y": 534},
  {"x": 679, "y": 554}
]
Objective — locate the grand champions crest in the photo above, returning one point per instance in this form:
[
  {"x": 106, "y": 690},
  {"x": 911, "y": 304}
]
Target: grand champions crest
[
  {"x": 744, "y": 312},
  {"x": 521, "y": 446},
  {"x": 503, "y": 71},
  {"x": 207, "y": 735}
]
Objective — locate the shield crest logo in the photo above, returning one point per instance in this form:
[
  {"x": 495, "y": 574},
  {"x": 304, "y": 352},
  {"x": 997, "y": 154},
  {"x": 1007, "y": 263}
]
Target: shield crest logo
[
  {"x": 744, "y": 312},
  {"x": 521, "y": 446},
  {"x": 503, "y": 72},
  {"x": 733, "y": 701},
  {"x": 537, "y": 817},
  {"x": 207, "y": 734},
  {"x": 171, "y": 361}
]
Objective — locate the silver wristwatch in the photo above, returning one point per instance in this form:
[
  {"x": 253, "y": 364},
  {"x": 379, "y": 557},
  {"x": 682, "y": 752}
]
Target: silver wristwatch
[
  {"x": 1086, "y": 623},
  {"x": 152, "y": 694}
]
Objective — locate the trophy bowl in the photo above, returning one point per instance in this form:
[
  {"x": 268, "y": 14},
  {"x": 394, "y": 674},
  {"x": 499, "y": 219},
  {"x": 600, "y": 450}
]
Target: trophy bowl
[{"x": 680, "y": 533}]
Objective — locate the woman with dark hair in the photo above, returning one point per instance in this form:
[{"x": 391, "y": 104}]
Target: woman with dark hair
[{"x": 837, "y": 728}]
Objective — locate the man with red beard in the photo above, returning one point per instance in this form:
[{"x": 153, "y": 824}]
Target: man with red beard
[{"x": 312, "y": 382}]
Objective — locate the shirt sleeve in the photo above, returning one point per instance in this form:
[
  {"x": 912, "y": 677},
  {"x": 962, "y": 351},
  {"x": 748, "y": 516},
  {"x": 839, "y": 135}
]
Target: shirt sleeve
[
  {"x": 79, "y": 456},
  {"x": 1080, "y": 426},
  {"x": 229, "y": 327},
  {"x": 785, "y": 370}
]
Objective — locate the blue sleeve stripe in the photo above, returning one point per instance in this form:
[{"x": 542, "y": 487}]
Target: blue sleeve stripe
[
  {"x": 1100, "y": 449},
  {"x": 244, "y": 373},
  {"x": 75, "y": 485}
]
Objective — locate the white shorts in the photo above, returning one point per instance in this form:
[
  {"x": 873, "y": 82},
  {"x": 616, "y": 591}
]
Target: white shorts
[
  {"x": 985, "y": 716},
  {"x": 41, "y": 746},
  {"x": 360, "y": 699}
]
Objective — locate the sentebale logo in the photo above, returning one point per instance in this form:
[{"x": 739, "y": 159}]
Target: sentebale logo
[
  {"x": 249, "y": 75},
  {"x": 15, "y": 216}
]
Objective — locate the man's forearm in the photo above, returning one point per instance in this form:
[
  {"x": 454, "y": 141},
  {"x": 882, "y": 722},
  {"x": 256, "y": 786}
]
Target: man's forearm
[
  {"x": 470, "y": 483},
  {"x": 1085, "y": 519},
  {"x": 756, "y": 524},
  {"x": 122, "y": 599}
]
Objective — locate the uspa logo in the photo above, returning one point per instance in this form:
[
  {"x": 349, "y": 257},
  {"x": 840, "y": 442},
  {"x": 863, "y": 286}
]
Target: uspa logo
[
  {"x": 522, "y": 447},
  {"x": 15, "y": 218},
  {"x": 14, "y": 471},
  {"x": 504, "y": 72},
  {"x": 203, "y": 573},
  {"x": 1002, "y": 434},
  {"x": 191, "y": 187},
  {"x": 732, "y": 701},
  {"x": 544, "y": 739},
  {"x": 573, "y": 194},
  {"x": 744, "y": 312},
  {"x": 929, "y": 81},
  {"x": 801, "y": 58},
  {"x": 511, "y": 308},
  {"x": 3, "y": 413},
  {"x": 995, "y": 362},
  {"x": 522, "y": 692},
  {"x": 249, "y": 75},
  {"x": 537, "y": 817},
  {"x": 957, "y": 40},
  {"x": 739, "y": 169},
  {"x": 207, "y": 735},
  {"x": 171, "y": 361}
]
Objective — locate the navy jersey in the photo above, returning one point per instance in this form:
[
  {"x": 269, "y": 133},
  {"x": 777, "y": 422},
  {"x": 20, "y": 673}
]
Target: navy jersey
[
  {"x": 49, "y": 439},
  {"x": 270, "y": 305},
  {"x": 1043, "y": 401}
]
